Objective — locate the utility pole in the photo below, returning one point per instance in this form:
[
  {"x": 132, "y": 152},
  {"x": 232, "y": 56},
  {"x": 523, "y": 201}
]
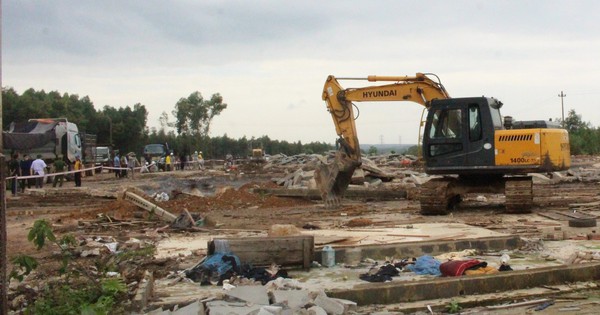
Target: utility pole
[{"x": 562, "y": 106}]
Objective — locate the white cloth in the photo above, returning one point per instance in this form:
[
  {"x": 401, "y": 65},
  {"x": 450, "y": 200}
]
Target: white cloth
[{"x": 39, "y": 166}]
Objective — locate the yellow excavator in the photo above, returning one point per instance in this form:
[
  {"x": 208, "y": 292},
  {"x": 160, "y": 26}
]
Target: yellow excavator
[{"x": 465, "y": 140}]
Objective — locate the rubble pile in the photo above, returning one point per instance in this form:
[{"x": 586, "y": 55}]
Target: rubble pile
[{"x": 390, "y": 170}]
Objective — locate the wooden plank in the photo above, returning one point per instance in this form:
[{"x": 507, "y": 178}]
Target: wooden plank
[
  {"x": 552, "y": 215},
  {"x": 576, "y": 215},
  {"x": 263, "y": 251},
  {"x": 589, "y": 204}
]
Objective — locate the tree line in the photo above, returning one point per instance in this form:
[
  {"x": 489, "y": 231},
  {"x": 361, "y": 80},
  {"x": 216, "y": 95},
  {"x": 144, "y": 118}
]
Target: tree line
[
  {"x": 126, "y": 128},
  {"x": 583, "y": 137}
]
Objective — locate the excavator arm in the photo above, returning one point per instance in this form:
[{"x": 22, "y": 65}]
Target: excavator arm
[{"x": 333, "y": 179}]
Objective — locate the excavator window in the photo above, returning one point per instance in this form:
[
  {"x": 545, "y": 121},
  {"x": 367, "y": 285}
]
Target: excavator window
[
  {"x": 446, "y": 124},
  {"x": 474, "y": 122}
]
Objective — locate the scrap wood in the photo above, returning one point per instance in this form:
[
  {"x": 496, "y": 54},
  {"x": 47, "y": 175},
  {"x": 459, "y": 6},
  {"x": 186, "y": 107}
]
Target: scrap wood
[
  {"x": 575, "y": 215},
  {"x": 526, "y": 303},
  {"x": 324, "y": 240},
  {"x": 542, "y": 223},
  {"x": 587, "y": 204},
  {"x": 549, "y": 287},
  {"x": 409, "y": 235},
  {"x": 553, "y": 216}
]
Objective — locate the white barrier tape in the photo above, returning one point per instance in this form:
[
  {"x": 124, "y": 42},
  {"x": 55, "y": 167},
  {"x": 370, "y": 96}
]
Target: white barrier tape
[{"x": 54, "y": 174}]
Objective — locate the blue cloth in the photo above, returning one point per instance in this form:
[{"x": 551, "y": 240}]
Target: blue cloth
[
  {"x": 426, "y": 265},
  {"x": 221, "y": 263}
]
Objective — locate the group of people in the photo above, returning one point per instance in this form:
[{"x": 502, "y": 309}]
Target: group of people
[
  {"x": 27, "y": 167},
  {"x": 195, "y": 161},
  {"x": 125, "y": 165}
]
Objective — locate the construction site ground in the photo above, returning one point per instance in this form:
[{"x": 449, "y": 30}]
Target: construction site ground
[{"x": 229, "y": 208}]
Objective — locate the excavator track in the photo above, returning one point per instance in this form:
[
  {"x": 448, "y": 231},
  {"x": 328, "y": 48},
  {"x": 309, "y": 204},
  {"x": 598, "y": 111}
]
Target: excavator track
[
  {"x": 435, "y": 197},
  {"x": 519, "y": 195}
]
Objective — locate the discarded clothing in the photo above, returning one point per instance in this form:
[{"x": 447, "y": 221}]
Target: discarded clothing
[
  {"x": 504, "y": 267},
  {"x": 262, "y": 274},
  {"x": 487, "y": 270},
  {"x": 383, "y": 274},
  {"x": 455, "y": 268},
  {"x": 426, "y": 265}
]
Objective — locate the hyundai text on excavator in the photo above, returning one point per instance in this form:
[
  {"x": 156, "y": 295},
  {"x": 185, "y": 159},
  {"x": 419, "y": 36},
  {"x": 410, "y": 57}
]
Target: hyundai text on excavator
[{"x": 465, "y": 139}]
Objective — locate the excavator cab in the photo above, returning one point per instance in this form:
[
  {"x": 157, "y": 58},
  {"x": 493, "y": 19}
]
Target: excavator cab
[{"x": 459, "y": 135}]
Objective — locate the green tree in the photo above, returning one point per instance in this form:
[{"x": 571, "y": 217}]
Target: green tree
[
  {"x": 574, "y": 123},
  {"x": 194, "y": 114},
  {"x": 372, "y": 150}
]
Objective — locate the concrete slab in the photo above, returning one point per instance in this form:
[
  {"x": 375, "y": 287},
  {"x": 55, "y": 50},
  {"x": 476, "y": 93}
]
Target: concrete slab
[
  {"x": 397, "y": 292},
  {"x": 195, "y": 308},
  {"x": 293, "y": 298},
  {"x": 255, "y": 294},
  {"x": 181, "y": 245},
  {"x": 230, "y": 308},
  {"x": 331, "y": 306}
]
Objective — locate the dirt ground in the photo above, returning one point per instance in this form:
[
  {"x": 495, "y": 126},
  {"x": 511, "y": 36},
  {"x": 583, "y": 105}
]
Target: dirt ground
[{"x": 226, "y": 203}]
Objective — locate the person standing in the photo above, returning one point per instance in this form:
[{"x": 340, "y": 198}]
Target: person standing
[
  {"x": 168, "y": 162},
  {"x": 131, "y": 163},
  {"x": 14, "y": 170},
  {"x": 59, "y": 167},
  {"x": 116, "y": 165},
  {"x": 195, "y": 160},
  {"x": 25, "y": 165},
  {"x": 38, "y": 167},
  {"x": 124, "y": 163},
  {"x": 78, "y": 169},
  {"x": 182, "y": 161},
  {"x": 200, "y": 160}
]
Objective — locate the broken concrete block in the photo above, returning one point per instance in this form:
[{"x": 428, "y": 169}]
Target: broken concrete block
[
  {"x": 144, "y": 291},
  {"x": 359, "y": 176},
  {"x": 348, "y": 305},
  {"x": 420, "y": 180},
  {"x": 195, "y": 308},
  {"x": 330, "y": 305},
  {"x": 293, "y": 298},
  {"x": 159, "y": 311},
  {"x": 255, "y": 294},
  {"x": 230, "y": 308},
  {"x": 316, "y": 310},
  {"x": 312, "y": 184},
  {"x": 539, "y": 178},
  {"x": 376, "y": 182},
  {"x": 270, "y": 310}
]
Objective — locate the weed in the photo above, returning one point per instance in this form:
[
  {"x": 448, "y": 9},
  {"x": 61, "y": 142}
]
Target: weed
[{"x": 453, "y": 307}]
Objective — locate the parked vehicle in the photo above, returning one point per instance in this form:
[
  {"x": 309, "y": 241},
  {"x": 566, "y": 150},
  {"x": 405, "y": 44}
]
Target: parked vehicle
[
  {"x": 48, "y": 137},
  {"x": 102, "y": 156},
  {"x": 156, "y": 153}
]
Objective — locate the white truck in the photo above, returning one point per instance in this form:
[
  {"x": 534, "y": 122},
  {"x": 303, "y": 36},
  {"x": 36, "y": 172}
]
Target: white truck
[{"x": 48, "y": 137}]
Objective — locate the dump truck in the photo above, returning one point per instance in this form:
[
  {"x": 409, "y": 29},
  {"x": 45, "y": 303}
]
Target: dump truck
[{"x": 48, "y": 137}]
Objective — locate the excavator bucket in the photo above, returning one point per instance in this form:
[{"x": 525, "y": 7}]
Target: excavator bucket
[{"x": 333, "y": 178}]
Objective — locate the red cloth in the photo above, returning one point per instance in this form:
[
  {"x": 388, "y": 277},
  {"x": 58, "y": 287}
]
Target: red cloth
[{"x": 455, "y": 268}]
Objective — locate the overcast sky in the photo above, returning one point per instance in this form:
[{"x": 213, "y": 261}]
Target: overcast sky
[{"x": 269, "y": 59}]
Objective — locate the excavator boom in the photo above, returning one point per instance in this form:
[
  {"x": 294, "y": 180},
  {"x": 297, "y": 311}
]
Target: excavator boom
[{"x": 334, "y": 178}]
